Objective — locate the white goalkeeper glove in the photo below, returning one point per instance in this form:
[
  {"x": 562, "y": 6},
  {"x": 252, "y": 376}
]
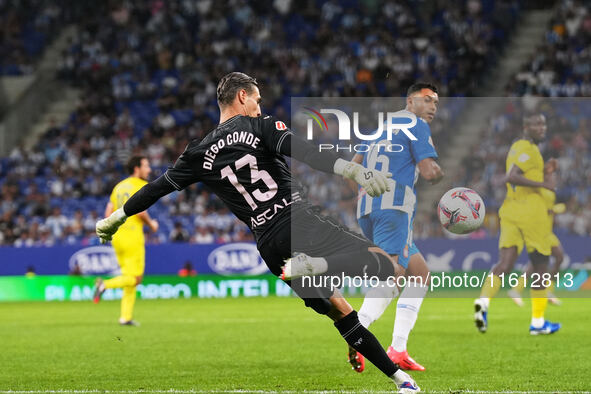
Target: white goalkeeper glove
[
  {"x": 374, "y": 182},
  {"x": 105, "y": 228}
]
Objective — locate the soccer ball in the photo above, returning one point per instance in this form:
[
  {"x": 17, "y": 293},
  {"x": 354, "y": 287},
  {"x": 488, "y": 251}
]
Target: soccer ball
[{"x": 461, "y": 210}]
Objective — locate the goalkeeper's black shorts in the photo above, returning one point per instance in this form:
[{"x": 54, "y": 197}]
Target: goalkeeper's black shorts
[{"x": 306, "y": 231}]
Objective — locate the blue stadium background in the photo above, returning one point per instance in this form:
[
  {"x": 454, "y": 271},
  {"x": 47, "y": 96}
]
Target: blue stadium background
[{"x": 147, "y": 72}]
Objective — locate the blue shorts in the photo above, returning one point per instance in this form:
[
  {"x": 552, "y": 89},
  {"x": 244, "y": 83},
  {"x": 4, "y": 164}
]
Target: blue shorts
[{"x": 391, "y": 230}]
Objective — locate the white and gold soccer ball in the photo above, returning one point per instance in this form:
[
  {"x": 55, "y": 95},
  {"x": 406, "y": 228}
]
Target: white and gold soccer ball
[{"x": 461, "y": 210}]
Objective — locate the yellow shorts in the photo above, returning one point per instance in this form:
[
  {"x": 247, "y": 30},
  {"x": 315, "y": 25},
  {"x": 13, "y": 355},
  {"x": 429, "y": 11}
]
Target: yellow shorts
[
  {"x": 131, "y": 258},
  {"x": 553, "y": 240},
  {"x": 532, "y": 234}
]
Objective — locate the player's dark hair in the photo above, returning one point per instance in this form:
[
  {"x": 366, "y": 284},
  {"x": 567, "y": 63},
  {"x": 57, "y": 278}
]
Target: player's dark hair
[
  {"x": 135, "y": 161},
  {"x": 417, "y": 87},
  {"x": 231, "y": 83},
  {"x": 529, "y": 117}
]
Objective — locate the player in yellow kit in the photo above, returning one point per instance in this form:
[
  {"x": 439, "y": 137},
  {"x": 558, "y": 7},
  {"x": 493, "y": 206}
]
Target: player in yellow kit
[
  {"x": 129, "y": 240},
  {"x": 524, "y": 221},
  {"x": 555, "y": 245}
]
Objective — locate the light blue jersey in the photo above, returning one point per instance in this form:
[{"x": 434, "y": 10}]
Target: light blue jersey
[{"x": 387, "y": 219}]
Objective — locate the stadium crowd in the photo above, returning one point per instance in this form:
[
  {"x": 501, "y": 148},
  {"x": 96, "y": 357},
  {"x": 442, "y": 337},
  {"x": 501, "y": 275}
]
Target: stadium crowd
[
  {"x": 28, "y": 26},
  {"x": 148, "y": 70},
  {"x": 561, "y": 65},
  {"x": 559, "y": 69},
  {"x": 567, "y": 139}
]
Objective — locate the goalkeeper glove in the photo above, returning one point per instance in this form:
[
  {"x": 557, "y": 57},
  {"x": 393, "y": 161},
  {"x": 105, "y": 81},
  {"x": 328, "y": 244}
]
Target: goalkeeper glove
[
  {"x": 374, "y": 182},
  {"x": 106, "y": 227}
]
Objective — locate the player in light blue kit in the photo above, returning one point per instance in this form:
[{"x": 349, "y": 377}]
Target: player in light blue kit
[{"x": 387, "y": 220}]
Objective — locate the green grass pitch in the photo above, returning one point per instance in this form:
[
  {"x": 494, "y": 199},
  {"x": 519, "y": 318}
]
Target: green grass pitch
[{"x": 276, "y": 344}]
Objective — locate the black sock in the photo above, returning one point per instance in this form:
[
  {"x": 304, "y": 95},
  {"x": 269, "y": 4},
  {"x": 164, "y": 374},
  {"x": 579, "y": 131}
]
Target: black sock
[
  {"x": 360, "y": 263},
  {"x": 360, "y": 339}
]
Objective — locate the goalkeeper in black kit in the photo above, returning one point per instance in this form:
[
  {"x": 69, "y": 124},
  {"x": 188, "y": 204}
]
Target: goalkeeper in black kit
[{"x": 242, "y": 161}]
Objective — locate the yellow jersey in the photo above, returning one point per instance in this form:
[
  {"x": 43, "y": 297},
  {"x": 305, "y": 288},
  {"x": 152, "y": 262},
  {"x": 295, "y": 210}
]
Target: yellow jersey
[
  {"x": 525, "y": 155},
  {"x": 549, "y": 199},
  {"x": 524, "y": 216},
  {"x": 132, "y": 231},
  {"x": 524, "y": 201}
]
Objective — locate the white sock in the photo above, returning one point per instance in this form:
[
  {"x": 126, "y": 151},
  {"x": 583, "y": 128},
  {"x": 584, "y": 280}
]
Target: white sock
[
  {"x": 407, "y": 310},
  {"x": 537, "y": 322},
  {"x": 485, "y": 301},
  {"x": 375, "y": 303}
]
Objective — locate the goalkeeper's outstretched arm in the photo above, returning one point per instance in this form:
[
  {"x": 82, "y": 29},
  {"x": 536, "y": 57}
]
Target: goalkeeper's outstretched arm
[
  {"x": 137, "y": 203},
  {"x": 148, "y": 195},
  {"x": 374, "y": 182}
]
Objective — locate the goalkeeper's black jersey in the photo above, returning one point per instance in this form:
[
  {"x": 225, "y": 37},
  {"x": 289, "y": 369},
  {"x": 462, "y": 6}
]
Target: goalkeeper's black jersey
[{"x": 240, "y": 161}]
